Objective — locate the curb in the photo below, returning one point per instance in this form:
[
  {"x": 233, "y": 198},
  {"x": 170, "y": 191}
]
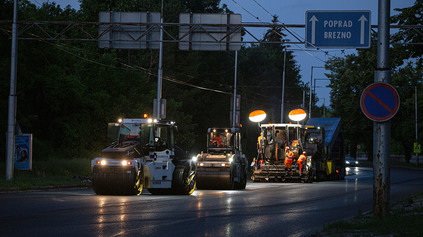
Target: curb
[{"x": 42, "y": 188}]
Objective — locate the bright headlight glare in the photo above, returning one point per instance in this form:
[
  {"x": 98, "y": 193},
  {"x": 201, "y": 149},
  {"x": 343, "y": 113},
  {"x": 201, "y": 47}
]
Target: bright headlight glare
[
  {"x": 125, "y": 163},
  {"x": 231, "y": 159},
  {"x": 194, "y": 158},
  {"x": 103, "y": 162}
]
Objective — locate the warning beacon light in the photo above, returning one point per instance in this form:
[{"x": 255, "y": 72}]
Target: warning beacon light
[
  {"x": 297, "y": 115},
  {"x": 257, "y": 116}
]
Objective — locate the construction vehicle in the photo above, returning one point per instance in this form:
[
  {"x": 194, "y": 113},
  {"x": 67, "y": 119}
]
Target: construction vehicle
[
  {"x": 142, "y": 155},
  {"x": 168, "y": 170},
  {"x": 324, "y": 140},
  {"x": 320, "y": 139},
  {"x": 223, "y": 166}
]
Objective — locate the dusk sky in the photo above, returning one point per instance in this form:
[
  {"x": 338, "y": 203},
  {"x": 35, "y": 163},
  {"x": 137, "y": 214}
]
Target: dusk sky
[{"x": 293, "y": 12}]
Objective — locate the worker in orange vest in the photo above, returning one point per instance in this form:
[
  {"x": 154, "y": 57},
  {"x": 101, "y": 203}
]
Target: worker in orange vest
[
  {"x": 260, "y": 140},
  {"x": 301, "y": 161},
  {"x": 289, "y": 155},
  {"x": 217, "y": 141}
]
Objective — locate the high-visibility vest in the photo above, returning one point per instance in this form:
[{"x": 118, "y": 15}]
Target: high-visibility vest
[
  {"x": 301, "y": 159},
  {"x": 259, "y": 141},
  {"x": 288, "y": 158}
]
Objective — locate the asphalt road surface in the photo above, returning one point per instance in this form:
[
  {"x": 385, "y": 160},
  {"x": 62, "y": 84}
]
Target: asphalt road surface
[{"x": 263, "y": 209}]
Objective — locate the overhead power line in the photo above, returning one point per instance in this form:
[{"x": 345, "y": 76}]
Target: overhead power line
[
  {"x": 283, "y": 25},
  {"x": 263, "y": 8},
  {"x": 139, "y": 68}
]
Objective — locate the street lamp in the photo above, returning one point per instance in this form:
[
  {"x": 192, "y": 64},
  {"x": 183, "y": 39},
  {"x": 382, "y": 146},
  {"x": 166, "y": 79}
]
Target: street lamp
[
  {"x": 311, "y": 84},
  {"x": 283, "y": 85}
]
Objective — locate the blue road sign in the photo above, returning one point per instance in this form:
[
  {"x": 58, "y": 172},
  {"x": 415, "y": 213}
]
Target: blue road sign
[
  {"x": 379, "y": 102},
  {"x": 338, "y": 29}
]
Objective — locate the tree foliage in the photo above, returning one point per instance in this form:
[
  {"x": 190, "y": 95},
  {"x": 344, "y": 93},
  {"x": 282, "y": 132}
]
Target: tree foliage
[
  {"x": 69, "y": 91},
  {"x": 411, "y": 16},
  {"x": 351, "y": 74}
]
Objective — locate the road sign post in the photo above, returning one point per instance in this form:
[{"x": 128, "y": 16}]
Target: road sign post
[
  {"x": 338, "y": 29},
  {"x": 379, "y": 102},
  {"x": 417, "y": 148},
  {"x": 382, "y": 130}
]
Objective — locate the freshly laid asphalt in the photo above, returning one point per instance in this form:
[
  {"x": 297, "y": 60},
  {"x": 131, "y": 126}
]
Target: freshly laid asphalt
[{"x": 263, "y": 209}]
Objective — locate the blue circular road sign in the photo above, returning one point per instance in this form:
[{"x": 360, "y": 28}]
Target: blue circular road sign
[{"x": 379, "y": 102}]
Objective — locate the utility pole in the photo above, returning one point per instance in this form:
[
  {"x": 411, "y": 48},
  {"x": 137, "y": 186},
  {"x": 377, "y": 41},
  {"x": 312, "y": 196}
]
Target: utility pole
[
  {"x": 234, "y": 102},
  {"x": 159, "y": 73},
  {"x": 415, "y": 104},
  {"x": 10, "y": 143},
  {"x": 324, "y": 107},
  {"x": 382, "y": 130},
  {"x": 311, "y": 92},
  {"x": 283, "y": 85}
]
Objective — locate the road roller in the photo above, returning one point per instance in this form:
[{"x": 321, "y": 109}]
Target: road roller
[
  {"x": 143, "y": 154},
  {"x": 223, "y": 166}
]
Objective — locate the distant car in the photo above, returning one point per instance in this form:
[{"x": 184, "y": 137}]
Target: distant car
[{"x": 349, "y": 161}]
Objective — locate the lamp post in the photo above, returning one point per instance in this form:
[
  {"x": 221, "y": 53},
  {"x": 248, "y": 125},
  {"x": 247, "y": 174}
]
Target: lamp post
[
  {"x": 415, "y": 104},
  {"x": 283, "y": 85},
  {"x": 10, "y": 147},
  {"x": 311, "y": 93},
  {"x": 314, "y": 90},
  {"x": 160, "y": 71},
  {"x": 382, "y": 130}
]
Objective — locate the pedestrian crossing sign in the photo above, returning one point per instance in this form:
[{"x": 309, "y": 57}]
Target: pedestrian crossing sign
[{"x": 417, "y": 147}]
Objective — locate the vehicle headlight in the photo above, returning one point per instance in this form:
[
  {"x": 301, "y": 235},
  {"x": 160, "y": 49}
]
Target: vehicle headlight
[
  {"x": 194, "y": 158},
  {"x": 125, "y": 163},
  {"x": 347, "y": 162},
  {"x": 101, "y": 162},
  {"x": 231, "y": 159}
]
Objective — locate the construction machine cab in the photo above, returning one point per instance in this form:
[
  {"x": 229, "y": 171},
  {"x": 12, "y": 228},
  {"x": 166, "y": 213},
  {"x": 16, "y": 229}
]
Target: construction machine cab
[
  {"x": 126, "y": 131},
  {"x": 276, "y": 137},
  {"x": 223, "y": 140},
  {"x": 314, "y": 139},
  {"x": 158, "y": 136}
]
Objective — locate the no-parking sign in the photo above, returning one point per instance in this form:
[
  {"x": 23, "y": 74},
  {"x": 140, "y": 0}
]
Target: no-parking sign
[{"x": 380, "y": 101}]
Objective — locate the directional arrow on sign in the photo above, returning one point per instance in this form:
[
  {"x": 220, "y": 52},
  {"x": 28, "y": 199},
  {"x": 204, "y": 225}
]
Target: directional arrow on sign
[
  {"x": 363, "y": 19},
  {"x": 337, "y": 29},
  {"x": 313, "y": 29}
]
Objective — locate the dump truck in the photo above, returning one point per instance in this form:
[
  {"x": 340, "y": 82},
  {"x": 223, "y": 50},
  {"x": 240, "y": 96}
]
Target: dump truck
[
  {"x": 223, "y": 165},
  {"x": 142, "y": 154},
  {"x": 321, "y": 141},
  {"x": 325, "y": 142}
]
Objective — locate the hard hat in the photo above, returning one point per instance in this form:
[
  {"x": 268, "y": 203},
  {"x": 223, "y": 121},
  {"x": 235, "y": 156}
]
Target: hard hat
[
  {"x": 304, "y": 153},
  {"x": 286, "y": 148}
]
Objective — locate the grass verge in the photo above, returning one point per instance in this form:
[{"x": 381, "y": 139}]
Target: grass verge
[
  {"x": 52, "y": 172},
  {"x": 410, "y": 165},
  {"x": 406, "y": 219}
]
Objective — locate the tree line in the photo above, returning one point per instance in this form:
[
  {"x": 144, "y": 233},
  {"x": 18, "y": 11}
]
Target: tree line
[
  {"x": 68, "y": 91},
  {"x": 350, "y": 75}
]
